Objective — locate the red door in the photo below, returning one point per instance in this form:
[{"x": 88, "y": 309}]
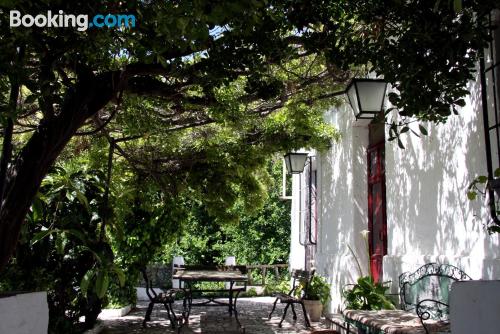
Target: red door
[{"x": 377, "y": 224}]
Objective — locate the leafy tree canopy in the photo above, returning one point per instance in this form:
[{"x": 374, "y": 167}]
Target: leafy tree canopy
[
  {"x": 262, "y": 237},
  {"x": 199, "y": 92}
]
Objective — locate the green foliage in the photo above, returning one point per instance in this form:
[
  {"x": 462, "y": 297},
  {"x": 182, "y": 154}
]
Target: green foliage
[
  {"x": 195, "y": 99},
  {"x": 261, "y": 236},
  {"x": 197, "y": 239},
  {"x": 119, "y": 296},
  {"x": 145, "y": 220},
  {"x": 210, "y": 286},
  {"x": 480, "y": 187},
  {"x": 274, "y": 285},
  {"x": 60, "y": 249},
  {"x": 366, "y": 295},
  {"x": 429, "y": 32},
  {"x": 199, "y": 94},
  {"x": 473, "y": 189},
  {"x": 317, "y": 289},
  {"x": 252, "y": 292}
]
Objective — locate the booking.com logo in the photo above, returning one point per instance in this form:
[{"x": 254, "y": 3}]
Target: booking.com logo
[{"x": 63, "y": 20}]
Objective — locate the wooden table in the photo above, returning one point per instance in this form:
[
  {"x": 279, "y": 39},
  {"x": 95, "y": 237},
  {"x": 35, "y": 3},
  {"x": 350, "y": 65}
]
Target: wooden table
[
  {"x": 391, "y": 321},
  {"x": 189, "y": 275}
]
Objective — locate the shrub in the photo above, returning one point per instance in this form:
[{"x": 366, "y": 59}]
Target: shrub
[{"x": 367, "y": 295}]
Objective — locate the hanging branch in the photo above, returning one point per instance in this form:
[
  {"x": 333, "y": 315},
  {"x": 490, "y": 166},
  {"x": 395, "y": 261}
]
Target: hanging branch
[
  {"x": 7, "y": 137},
  {"x": 9, "y": 129},
  {"x": 107, "y": 209}
]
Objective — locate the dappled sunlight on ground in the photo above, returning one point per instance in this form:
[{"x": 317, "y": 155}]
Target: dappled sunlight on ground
[{"x": 253, "y": 313}]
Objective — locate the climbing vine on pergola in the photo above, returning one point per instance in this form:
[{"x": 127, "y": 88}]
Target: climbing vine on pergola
[{"x": 200, "y": 89}]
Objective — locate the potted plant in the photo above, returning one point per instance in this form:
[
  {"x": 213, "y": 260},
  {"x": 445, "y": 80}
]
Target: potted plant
[
  {"x": 366, "y": 295},
  {"x": 315, "y": 296}
]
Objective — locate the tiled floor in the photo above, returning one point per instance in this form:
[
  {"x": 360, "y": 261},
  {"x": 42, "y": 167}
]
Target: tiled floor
[{"x": 253, "y": 313}]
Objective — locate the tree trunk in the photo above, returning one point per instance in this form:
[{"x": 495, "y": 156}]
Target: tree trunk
[{"x": 90, "y": 94}]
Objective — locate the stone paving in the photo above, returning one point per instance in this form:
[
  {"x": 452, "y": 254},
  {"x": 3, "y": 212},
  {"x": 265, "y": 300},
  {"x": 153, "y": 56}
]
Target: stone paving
[{"x": 253, "y": 313}]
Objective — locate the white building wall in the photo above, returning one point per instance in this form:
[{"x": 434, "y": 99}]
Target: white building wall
[
  {"x": 429, "y": 217},
  {"x": 297, "y": 251},
  {"x": 342, "y": 205}
]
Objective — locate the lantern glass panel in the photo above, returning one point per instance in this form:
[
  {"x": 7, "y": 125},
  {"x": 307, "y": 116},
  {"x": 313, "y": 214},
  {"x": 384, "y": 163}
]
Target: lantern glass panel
[
  {"x": 353, "y": 98},
  {"x": 295, "y": 162},
  {"x": 371, "y": 95}
]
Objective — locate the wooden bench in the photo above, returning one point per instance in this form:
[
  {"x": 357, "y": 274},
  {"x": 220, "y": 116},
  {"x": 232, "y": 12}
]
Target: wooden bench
[{"x": 424, "y": 302}]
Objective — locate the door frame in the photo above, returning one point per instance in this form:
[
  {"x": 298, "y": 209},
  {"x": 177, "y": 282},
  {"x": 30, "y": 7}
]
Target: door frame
[{"x": 374, "y": 178}]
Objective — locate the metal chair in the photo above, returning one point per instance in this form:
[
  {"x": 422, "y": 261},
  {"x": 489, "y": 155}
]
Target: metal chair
[
  {"x": 167, "y": 298},
  {"x": 300, "y": 278}
]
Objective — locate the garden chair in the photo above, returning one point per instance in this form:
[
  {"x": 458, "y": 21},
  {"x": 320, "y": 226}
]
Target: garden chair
[
  {"x": 167, "y": 298},
  {"x": 300, "y": 278}
]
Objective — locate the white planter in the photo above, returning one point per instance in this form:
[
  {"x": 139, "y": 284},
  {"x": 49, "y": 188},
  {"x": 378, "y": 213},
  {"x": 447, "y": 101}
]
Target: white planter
[
  {"x": 474, "y": 307},
  {"x": 142, "y": 295},
  {"x": 115, "y": 312},
  {"x": 24, "y": 313},
  {"x": 314, "y": 308}
]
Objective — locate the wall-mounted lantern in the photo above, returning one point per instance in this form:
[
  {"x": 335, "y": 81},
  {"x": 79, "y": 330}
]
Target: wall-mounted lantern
[
  {"x": 366, "y": 97},
  {"x": 295, "y": 162}
]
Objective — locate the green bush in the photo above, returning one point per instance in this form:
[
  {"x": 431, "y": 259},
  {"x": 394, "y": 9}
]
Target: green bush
[
  {"x": 259, "y": 237},
  {"x": 318, "y": 289},
  {"x": 273, "y": 285},
  {"x": 61, "y": 250},
  {"x": 252, "y": 292}
]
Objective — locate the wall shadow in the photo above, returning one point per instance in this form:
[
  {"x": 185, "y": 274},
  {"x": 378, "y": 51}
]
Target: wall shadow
[{"x": 429, "y": 216}]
